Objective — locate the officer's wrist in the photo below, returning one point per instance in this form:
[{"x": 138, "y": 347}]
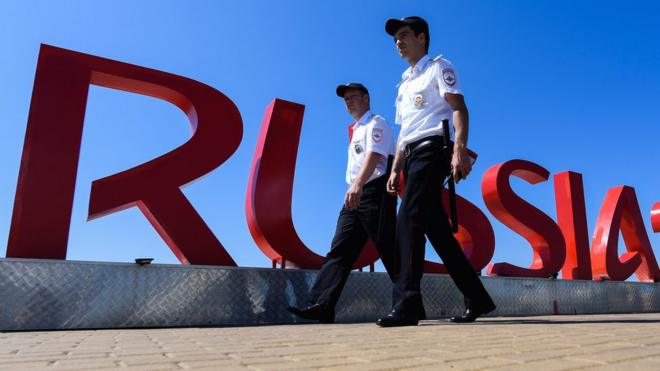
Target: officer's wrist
[{"x": 459, "y": 145}]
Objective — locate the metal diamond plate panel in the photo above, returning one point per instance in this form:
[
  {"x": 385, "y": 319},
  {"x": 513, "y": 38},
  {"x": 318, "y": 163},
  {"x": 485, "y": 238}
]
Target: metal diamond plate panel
[
  {"x": 521, "y": 297},
  {"x": 55, "y": 294},
  {"x": 366, "y": 297},
  {"x": 441, "y": 297},
  {"x": 581, "y": 297},
  {"x": 625, "y": 297}
]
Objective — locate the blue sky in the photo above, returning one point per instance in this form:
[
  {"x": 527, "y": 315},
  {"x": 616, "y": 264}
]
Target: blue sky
[{"x": 568, "y": 85}]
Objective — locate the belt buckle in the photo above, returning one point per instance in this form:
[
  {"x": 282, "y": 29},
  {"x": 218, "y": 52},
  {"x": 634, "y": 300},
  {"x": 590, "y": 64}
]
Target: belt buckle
[{"x": 406, "y": 151}]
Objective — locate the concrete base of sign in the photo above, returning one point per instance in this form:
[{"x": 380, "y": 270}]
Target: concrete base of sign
[{"x": 56, "y": 294}]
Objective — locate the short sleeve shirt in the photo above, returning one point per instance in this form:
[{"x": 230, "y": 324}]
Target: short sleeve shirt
[
  {"x": 420, "y": 104},
  {"x": 371, "y": 133}
]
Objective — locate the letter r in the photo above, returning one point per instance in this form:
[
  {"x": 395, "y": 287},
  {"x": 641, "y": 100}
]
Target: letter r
[{"x": 47, "y": 176}]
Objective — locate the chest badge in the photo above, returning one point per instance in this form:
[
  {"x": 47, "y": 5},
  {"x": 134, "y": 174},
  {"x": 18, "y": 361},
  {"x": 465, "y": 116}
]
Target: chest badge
[
  {"x": 358, "y": 149},
  {"x": 418, "y": 101}
]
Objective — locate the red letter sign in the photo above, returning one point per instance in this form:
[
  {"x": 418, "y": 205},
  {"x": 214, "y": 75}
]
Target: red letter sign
[
  {"x": 572, "y": 219},
  {"x": 268, "y": 204},
  {"x": 620, "y": 211},
  {"x": 655, "y": 217},
  {"x": 536, "y": 227},
  {"x": 44, "y": 196}
]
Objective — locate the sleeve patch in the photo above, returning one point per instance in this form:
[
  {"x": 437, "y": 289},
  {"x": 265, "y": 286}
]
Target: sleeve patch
[
  {"x": 448, "y": 76},
  {"x": 377, "y": 134}
]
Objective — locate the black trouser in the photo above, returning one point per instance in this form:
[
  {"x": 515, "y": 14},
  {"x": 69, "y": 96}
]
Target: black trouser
[
  {"x": 374, "y": 219},
  {"x": 421, "y": 213}
]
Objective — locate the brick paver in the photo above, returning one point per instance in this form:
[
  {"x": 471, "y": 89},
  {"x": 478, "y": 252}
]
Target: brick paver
[{"x": 609, "y": 342}]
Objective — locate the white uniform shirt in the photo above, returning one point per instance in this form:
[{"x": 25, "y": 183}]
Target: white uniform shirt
[
  {"x": 371, "y": 133},
  {"x": 421, "y": 105}
]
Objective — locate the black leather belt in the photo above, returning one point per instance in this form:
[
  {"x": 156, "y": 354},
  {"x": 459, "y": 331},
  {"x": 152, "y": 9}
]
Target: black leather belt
[{"x": 413, "y": 147}]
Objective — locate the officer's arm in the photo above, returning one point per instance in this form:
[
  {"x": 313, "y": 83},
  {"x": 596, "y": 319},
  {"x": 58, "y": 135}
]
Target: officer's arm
[
  {"x": 369, "y": 162},
  {"x": 393, "y": 181},
  {"x": 398, "y": 159},
  {"x": 460, "y": 162}
]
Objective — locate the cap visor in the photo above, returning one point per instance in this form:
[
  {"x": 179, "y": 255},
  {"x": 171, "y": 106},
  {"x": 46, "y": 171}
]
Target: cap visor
[
  {"x": 341, "y": 89},
  {"x": 393, "y": 25}
]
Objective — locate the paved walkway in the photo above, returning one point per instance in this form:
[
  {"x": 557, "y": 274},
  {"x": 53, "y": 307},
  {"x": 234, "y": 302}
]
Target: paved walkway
[{"x": 608, "y": 342}]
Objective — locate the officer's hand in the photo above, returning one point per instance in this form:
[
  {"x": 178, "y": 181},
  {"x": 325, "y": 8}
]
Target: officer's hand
[
  {"x": 393, "y": 184},
  {"x": 352, "y": 198},
  {"x": 460, "y": 163}
]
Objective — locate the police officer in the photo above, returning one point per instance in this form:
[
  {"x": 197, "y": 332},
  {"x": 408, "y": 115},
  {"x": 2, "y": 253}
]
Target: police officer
[
  {"x": 429, "y": 92},
  {"x": 368, "y": 210}
]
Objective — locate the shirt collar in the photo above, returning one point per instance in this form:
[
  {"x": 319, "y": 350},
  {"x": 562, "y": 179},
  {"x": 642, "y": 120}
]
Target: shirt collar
[
  {"x": 365, "y": 118},
  {"x": 419, "y": 67}
]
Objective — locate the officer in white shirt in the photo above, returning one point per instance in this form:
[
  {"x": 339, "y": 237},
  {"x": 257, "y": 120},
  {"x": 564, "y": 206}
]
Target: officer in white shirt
[
  {"x": 369, "y": 212},
  {"x": 428, "y": 93}
]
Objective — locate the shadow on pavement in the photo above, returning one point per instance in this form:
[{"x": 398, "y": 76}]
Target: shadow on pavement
[{"x": 536, "y": 321}]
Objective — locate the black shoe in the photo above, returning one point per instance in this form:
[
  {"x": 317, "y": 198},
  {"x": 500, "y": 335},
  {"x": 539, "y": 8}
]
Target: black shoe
[
  {"x": 397, "y": 318},
  {"x": 471, "y": 314},
  {"x": 315, "y": 312}
]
